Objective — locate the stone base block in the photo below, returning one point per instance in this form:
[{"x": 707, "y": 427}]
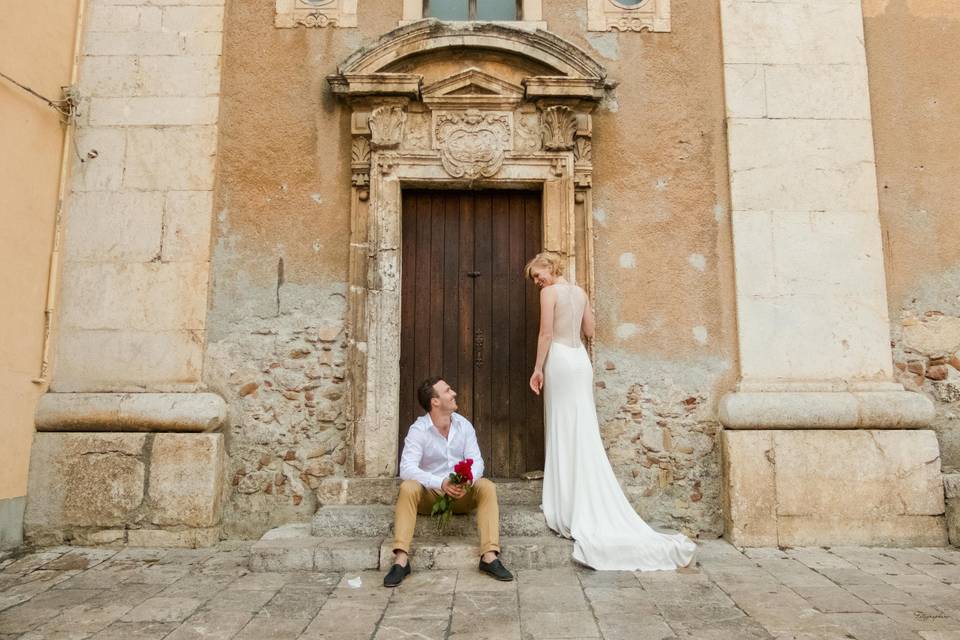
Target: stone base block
[
  {"x": 833, "y": 487},
  {"x": 162, "y": 489},
  {"x": 951, "y": 489}
]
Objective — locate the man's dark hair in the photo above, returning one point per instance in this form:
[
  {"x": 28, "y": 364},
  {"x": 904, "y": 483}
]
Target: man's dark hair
[{"x": 426, "y": 392}]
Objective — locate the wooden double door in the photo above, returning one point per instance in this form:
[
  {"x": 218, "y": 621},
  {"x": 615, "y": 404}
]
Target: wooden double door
[{"x": 469, "y": 315}]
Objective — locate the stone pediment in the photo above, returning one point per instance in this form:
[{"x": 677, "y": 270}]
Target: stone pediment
[
  {"x": 555, "y": 69},
  {"x": 471, "y": 87}
]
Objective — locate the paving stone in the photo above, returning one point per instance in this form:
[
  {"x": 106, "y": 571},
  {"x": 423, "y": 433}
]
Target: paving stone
[
  {"x": 136, "y": 631},
  {"x": 949, "y": 573},
  {"x": 688, "y": 616},
  {"x": 392, "y": 627},
  {"x": 80, "y": 559},
  {"x": 293, "y": 601},
  {"x": 158, "y": 609},
  {"x": 940, "y": 635},
  {"x": 240, "y": 601},
  {"x": 343, "y": 619},
  {"x": 211, "y": 625},
  {"x": 879, "y": 593},
  {"x": 203, "y": 587},
  {"x": 833, "y": 599},
  {"x": 636, "y": 627},
  {"x": 474, "y": 580},
  {"x": 680, "y": 592},
  {"x": 41, "y": 608},
  {"x": 872, "y": 626},
  {"x": 911, "y": 556},
  {"x": 81, "y": 621},
  {"x": 739, "y": 629},
  {"x": 540, "y": 625},
  {"x": 267, "y": 627},
  {"x": 846, "y": 577},
  {"x": 607, "y": 602},
  {"x": 626, "y": 579},
  {"x": 792, "y": 573},
  {"x": 919, "y": 617},
  {"x": 817, "y": 558},
  {"x": 31, "y": 561}
]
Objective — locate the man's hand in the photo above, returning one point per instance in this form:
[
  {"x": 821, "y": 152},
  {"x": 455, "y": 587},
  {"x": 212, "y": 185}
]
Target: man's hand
[{"x": 455, "y": 491}]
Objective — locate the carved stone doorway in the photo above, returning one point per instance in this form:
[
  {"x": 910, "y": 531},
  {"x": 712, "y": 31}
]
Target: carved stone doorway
[
  {"x": 469, "y": 315},
  {"x": 419, "y": 123}
]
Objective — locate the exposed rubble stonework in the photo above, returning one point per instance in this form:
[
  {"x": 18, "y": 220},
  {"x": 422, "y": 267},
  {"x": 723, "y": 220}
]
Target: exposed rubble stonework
[{"x": 283, "y": 378}]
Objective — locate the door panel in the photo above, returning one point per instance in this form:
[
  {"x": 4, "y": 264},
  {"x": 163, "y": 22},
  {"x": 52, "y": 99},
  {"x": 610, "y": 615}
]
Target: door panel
[{"x": 467, "y": 314}]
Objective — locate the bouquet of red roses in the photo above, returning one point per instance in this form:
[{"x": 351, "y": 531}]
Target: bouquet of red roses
[{"x": 443, "y": 507}]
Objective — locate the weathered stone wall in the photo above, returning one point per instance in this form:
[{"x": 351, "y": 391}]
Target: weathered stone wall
[
  {"x": 663, "y": 267},
  {"x": 912, "y": 54}
]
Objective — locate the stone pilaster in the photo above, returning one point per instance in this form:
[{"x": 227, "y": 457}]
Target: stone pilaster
[
  {"x": 811, "y": 294},
  {"x": 133, "y": 298},
  {"x": 130, "y": 331}
]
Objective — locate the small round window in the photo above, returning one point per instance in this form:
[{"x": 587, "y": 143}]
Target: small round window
[{"x": 629, "y": 4}]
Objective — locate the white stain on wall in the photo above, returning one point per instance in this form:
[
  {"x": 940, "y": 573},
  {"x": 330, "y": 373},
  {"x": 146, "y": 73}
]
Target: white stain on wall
[
  {"x": 697, "y": 261},
  {"x": 700, "y": 335},
  {"x": 628, "y": 260},
  {"x": 626, "y": 330}
]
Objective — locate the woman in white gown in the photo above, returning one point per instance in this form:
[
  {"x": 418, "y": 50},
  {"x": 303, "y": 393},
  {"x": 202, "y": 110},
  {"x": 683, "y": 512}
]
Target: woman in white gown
[{"x": 581, "y": 496}]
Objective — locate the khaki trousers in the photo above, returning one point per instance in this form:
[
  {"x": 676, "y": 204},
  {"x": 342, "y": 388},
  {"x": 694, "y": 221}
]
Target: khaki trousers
[{"x": 415, "y": 498}]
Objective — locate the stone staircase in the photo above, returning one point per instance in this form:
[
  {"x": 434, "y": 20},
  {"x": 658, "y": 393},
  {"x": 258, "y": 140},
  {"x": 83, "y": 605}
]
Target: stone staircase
[{"x": 352, "y": 530}]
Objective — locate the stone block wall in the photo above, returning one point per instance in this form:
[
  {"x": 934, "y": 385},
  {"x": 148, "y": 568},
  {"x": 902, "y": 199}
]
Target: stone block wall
[
  {"x": 137, "y": 226},
  {"x": 162, "y": 489}
]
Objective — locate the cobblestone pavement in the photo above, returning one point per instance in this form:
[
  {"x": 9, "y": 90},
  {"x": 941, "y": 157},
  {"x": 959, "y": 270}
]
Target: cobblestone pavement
[{"x": 803, "y": 594}]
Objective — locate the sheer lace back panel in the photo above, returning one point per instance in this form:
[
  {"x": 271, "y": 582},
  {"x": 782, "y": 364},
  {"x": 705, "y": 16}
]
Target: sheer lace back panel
[{"x": 568, "y": 314}]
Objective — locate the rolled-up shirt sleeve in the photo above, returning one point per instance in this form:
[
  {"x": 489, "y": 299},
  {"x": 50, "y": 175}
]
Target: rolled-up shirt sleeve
[
  {"x": 471, "y": 449},
  {"x": 410, "y": 462}
]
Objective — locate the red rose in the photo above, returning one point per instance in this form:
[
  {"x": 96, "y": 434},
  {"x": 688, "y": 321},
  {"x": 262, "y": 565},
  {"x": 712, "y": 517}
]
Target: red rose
[
  {"x": 443, "y": 508},
  {"x": 464, "y": 469}
]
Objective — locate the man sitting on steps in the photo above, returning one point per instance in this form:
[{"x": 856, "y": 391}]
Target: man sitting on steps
[{"x": 434, "y": 444}]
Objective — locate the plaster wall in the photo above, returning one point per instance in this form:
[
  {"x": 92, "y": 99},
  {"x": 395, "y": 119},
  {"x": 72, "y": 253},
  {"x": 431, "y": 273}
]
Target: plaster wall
[
  {"x": 912, "y": 55},
  {"x": 36, "y": 46},
  {"x": 665, "y": 346}
]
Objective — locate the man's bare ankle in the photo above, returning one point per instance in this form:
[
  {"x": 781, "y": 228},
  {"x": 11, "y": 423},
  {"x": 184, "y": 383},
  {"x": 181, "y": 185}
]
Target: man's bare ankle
[
  {"x": 489, "y": 556},
  {"x": 400, "y": 558}
]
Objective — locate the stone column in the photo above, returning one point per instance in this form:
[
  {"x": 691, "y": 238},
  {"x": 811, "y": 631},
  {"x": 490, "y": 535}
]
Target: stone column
[
  {"x": 811, "y": 296},
  {"x": 130, "y": 328}
]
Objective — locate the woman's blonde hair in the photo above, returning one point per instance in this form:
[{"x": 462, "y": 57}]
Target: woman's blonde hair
[{"x": 548, "y": 260}]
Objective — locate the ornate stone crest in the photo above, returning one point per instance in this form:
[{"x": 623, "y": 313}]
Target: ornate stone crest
[{"x": 472, "y": 143}]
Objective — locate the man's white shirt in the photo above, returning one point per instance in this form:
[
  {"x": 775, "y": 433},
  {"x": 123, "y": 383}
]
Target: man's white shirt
[{"x": 429, "y": 458}]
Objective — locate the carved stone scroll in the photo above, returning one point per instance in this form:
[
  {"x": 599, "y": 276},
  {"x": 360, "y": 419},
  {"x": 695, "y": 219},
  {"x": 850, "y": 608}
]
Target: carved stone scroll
[
  {"x": 316, "y": 13},
  {"x": 360, "y": 165},
  {"x": 386, "y": 127},
  {"x": 558, "y": 125},
  {"x": 628, "y": 15},
  {"x": 472, "y": 143}
]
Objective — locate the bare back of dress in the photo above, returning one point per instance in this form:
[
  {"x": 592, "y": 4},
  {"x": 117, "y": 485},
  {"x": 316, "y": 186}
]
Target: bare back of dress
[{"x": 568, "y": 314}]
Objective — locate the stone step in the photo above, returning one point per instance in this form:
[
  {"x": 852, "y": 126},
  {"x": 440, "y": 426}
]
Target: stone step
[
  {"x": 292, "y": 548},
  {"x": 334, "y": 491},
  {"x": 375, "y": 520}
]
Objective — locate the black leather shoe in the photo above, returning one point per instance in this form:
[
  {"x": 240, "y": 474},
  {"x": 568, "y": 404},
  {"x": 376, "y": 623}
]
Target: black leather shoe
[
  {"x": 496, "y": 569},
  {"x": 396, "y": 575}
]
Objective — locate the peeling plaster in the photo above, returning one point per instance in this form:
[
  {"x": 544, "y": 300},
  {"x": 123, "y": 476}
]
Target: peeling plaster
[{"x": 628, "y": 260}]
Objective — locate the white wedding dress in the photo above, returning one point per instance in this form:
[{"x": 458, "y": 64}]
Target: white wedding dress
[{"x": 581, "y": 496}]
